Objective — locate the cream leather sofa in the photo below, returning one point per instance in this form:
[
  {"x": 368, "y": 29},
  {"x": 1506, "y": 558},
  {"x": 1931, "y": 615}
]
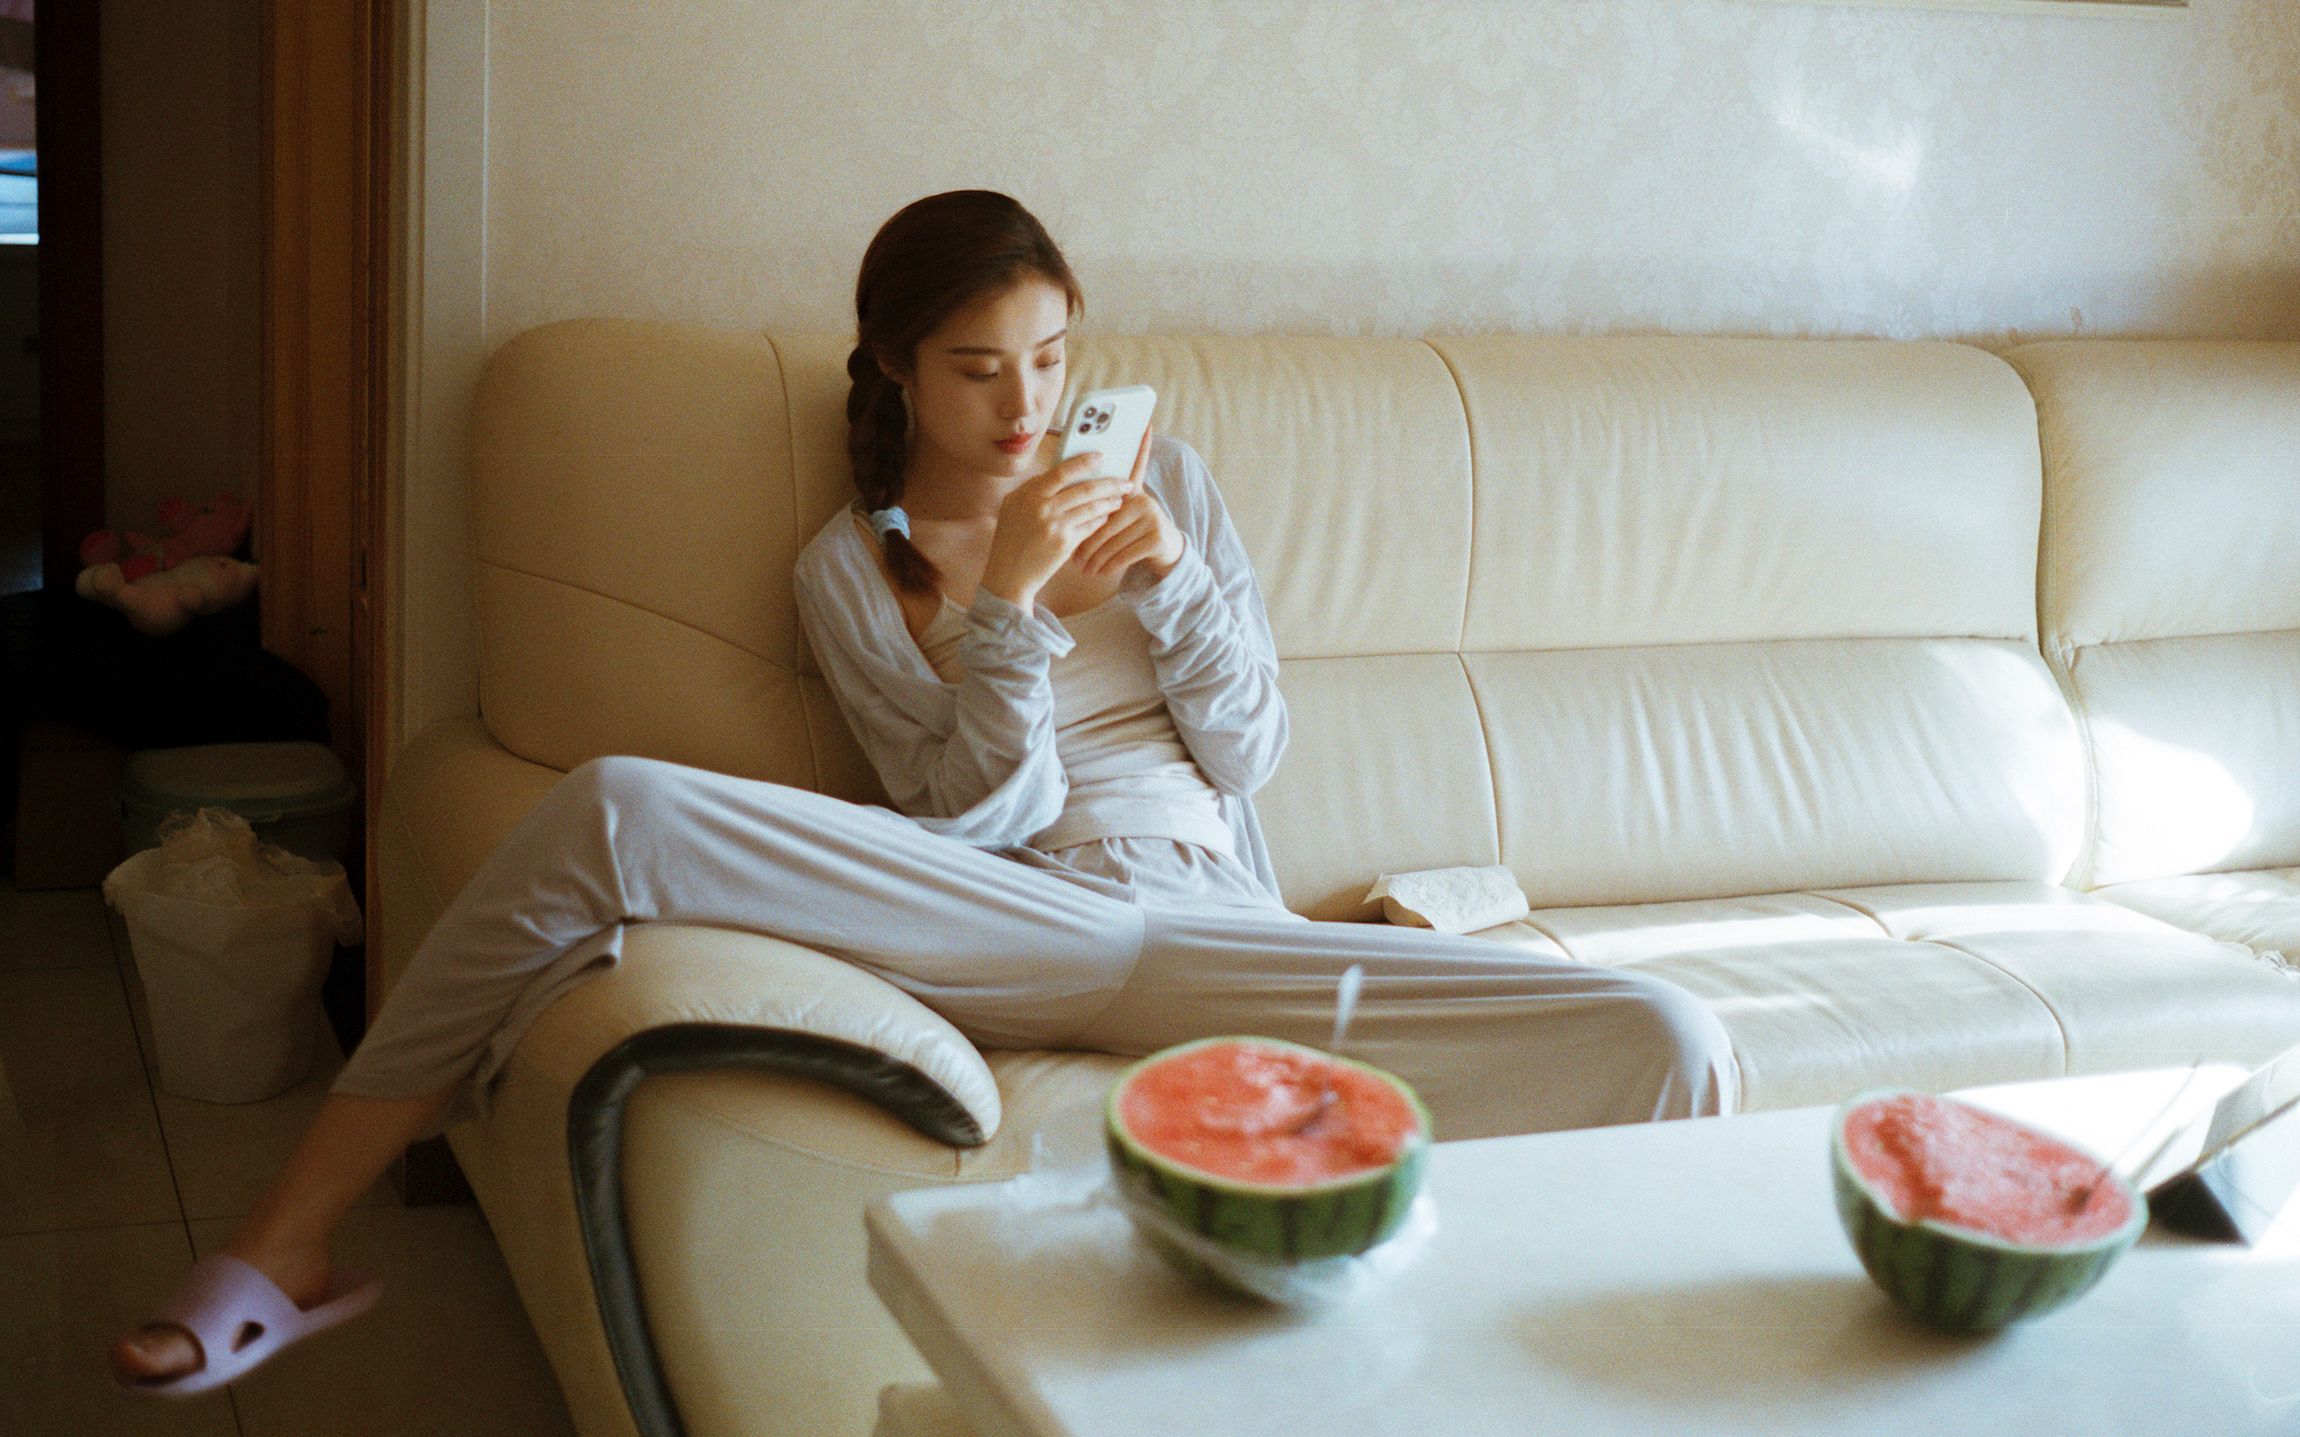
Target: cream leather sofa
[{"x": 1730, "y": 649}]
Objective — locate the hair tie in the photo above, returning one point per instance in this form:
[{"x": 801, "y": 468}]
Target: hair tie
[{"x": 882, "y": 520}]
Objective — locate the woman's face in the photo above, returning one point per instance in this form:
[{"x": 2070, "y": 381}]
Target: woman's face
[{"x": 984, "y": 384}]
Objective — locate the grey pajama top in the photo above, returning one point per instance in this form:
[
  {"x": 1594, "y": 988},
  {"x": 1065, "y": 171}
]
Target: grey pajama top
[{"x": 977, "y": 759}]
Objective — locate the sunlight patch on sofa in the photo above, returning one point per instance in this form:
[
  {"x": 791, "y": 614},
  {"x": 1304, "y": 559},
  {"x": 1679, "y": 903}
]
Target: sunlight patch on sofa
[{"x": 2173, "y": 809}]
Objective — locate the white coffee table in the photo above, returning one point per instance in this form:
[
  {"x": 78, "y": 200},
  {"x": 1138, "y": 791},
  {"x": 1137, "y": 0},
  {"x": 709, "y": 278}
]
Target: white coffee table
[{"x": 1675, "y": 1278}]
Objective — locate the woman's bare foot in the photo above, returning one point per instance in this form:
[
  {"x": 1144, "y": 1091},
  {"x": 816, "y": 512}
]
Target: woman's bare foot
[{"x": 158, "y": 1351}]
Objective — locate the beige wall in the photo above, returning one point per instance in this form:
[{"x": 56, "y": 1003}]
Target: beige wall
[
  {"x": 1339, "y": 167},
  {"x": 183, "y": 214},
  {"x": 1467, "y": 164}
]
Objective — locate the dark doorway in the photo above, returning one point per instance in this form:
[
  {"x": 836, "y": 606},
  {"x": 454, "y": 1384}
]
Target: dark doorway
[
  {"x": 21, "y": 120},
  {"x": 69, "y": 259}
]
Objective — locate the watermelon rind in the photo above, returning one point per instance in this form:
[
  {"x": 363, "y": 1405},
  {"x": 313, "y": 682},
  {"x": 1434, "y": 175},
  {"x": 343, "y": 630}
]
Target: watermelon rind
[
  {"x": 1341, "y": 1217},
  {"x": 1955, "y": 1278}
]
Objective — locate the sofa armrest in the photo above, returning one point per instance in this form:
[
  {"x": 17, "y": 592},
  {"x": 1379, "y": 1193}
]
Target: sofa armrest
[
  {"x": 683, "y": 998},
  {"x": 716, "y": 999},
  {"x": 687, "y": 998},
  {"x": 452, "y": 795}
]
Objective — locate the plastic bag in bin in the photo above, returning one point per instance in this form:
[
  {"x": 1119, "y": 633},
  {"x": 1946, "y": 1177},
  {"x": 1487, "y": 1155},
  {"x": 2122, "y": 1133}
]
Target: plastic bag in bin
[{"x": 232, "y": 938}]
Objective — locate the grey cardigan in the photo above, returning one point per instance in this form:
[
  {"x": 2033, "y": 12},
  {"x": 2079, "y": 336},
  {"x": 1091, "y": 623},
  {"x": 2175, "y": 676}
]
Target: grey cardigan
[{"x": 976, "y": 760}]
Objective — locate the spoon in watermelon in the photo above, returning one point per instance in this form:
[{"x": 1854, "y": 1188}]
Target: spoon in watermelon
[
  {"x": 2079, "y": 1196},
  {"x": 1345, "y": 1005}
]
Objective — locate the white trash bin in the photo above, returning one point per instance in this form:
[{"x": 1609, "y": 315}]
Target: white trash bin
[{"x": 232, "y": 939}]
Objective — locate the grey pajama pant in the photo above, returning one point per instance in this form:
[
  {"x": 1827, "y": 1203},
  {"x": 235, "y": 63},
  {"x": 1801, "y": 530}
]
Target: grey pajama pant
[{"x": 1018, "y": 949}]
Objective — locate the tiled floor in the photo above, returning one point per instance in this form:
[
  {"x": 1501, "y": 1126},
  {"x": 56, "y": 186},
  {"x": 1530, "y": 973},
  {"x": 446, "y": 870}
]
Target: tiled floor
[{"x": 109, "y": 1187}]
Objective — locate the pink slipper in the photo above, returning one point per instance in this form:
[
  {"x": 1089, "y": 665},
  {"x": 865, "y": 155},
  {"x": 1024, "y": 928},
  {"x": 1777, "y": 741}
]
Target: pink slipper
[{"x": 240, "y": 1319}]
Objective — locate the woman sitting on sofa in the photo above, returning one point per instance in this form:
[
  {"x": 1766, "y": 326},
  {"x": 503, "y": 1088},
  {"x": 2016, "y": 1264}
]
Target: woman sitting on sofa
[{"x": 1069, "y": 689}]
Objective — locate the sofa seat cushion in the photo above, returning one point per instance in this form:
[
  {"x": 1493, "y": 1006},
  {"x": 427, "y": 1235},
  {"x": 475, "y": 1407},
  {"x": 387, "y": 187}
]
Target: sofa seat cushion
[
  {"x": 2259, "y": 909},
  {"x": 1942, "y": 985}
]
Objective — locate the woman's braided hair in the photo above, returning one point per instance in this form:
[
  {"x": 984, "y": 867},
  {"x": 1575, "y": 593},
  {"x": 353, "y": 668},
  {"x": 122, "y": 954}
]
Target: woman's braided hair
[{"x": 932, "y": 258}]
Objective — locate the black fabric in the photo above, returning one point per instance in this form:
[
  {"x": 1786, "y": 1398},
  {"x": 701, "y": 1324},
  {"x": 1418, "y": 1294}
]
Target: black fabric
[
  {"x": 212, "y": 681},
  {"x": 595, "y": 1160},
  {"x": 76, "y": 662}
]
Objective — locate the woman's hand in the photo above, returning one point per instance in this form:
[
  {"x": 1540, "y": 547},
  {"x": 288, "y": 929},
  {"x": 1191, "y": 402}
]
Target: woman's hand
[
  {"x": 1139, "y": 532},
  {"x": 1042, "y": 522}
]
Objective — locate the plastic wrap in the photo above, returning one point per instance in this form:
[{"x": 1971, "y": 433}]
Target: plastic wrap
[{"x": 1311, "y": 1286}]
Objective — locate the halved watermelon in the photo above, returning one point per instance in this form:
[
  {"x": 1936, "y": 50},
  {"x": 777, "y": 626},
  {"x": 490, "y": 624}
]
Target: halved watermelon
[
  {"x": 1275, "y": 1150},
  {"x": 1971, "y": 1220}
]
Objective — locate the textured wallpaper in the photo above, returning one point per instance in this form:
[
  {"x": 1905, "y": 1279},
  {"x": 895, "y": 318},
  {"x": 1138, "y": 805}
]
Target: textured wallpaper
[{"x": 1356, "y": 166}]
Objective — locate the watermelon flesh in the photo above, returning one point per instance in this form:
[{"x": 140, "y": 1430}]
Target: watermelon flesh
[
  {"x": 1939, "y": 1161},
  {"x": 1269, "y": 1116}
]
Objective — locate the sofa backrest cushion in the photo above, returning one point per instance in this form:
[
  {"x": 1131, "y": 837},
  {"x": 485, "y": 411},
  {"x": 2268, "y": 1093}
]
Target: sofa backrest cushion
[
  {"x": 1640, "y": 618},
  {"x": 1753, "y": 615},
  {"x": 2170, "y": 594}
]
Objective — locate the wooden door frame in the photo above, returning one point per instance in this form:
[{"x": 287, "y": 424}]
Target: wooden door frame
[{"x": 331, "y": 80}]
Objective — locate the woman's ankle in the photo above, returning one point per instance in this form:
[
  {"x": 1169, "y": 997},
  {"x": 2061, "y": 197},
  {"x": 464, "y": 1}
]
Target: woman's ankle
[{"x": 297, "y": 1266}]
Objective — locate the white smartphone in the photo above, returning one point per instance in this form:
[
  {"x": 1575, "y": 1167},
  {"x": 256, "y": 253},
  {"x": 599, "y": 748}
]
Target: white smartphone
[{"x": 1111, "y": 421}]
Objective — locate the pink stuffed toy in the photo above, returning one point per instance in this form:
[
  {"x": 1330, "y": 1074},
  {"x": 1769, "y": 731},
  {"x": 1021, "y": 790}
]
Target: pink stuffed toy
[
  {"x": 161, "y": 584},
  {"x": 163, "y": 601},
  {"x": 192, "y": 530}
]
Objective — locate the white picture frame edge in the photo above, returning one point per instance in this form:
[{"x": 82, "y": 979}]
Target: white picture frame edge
[{"x": 2066, "y": 9}]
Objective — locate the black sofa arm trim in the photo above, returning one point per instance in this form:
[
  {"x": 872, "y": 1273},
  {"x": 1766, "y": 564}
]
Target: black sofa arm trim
[{"x": 595, "y": 1158}]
